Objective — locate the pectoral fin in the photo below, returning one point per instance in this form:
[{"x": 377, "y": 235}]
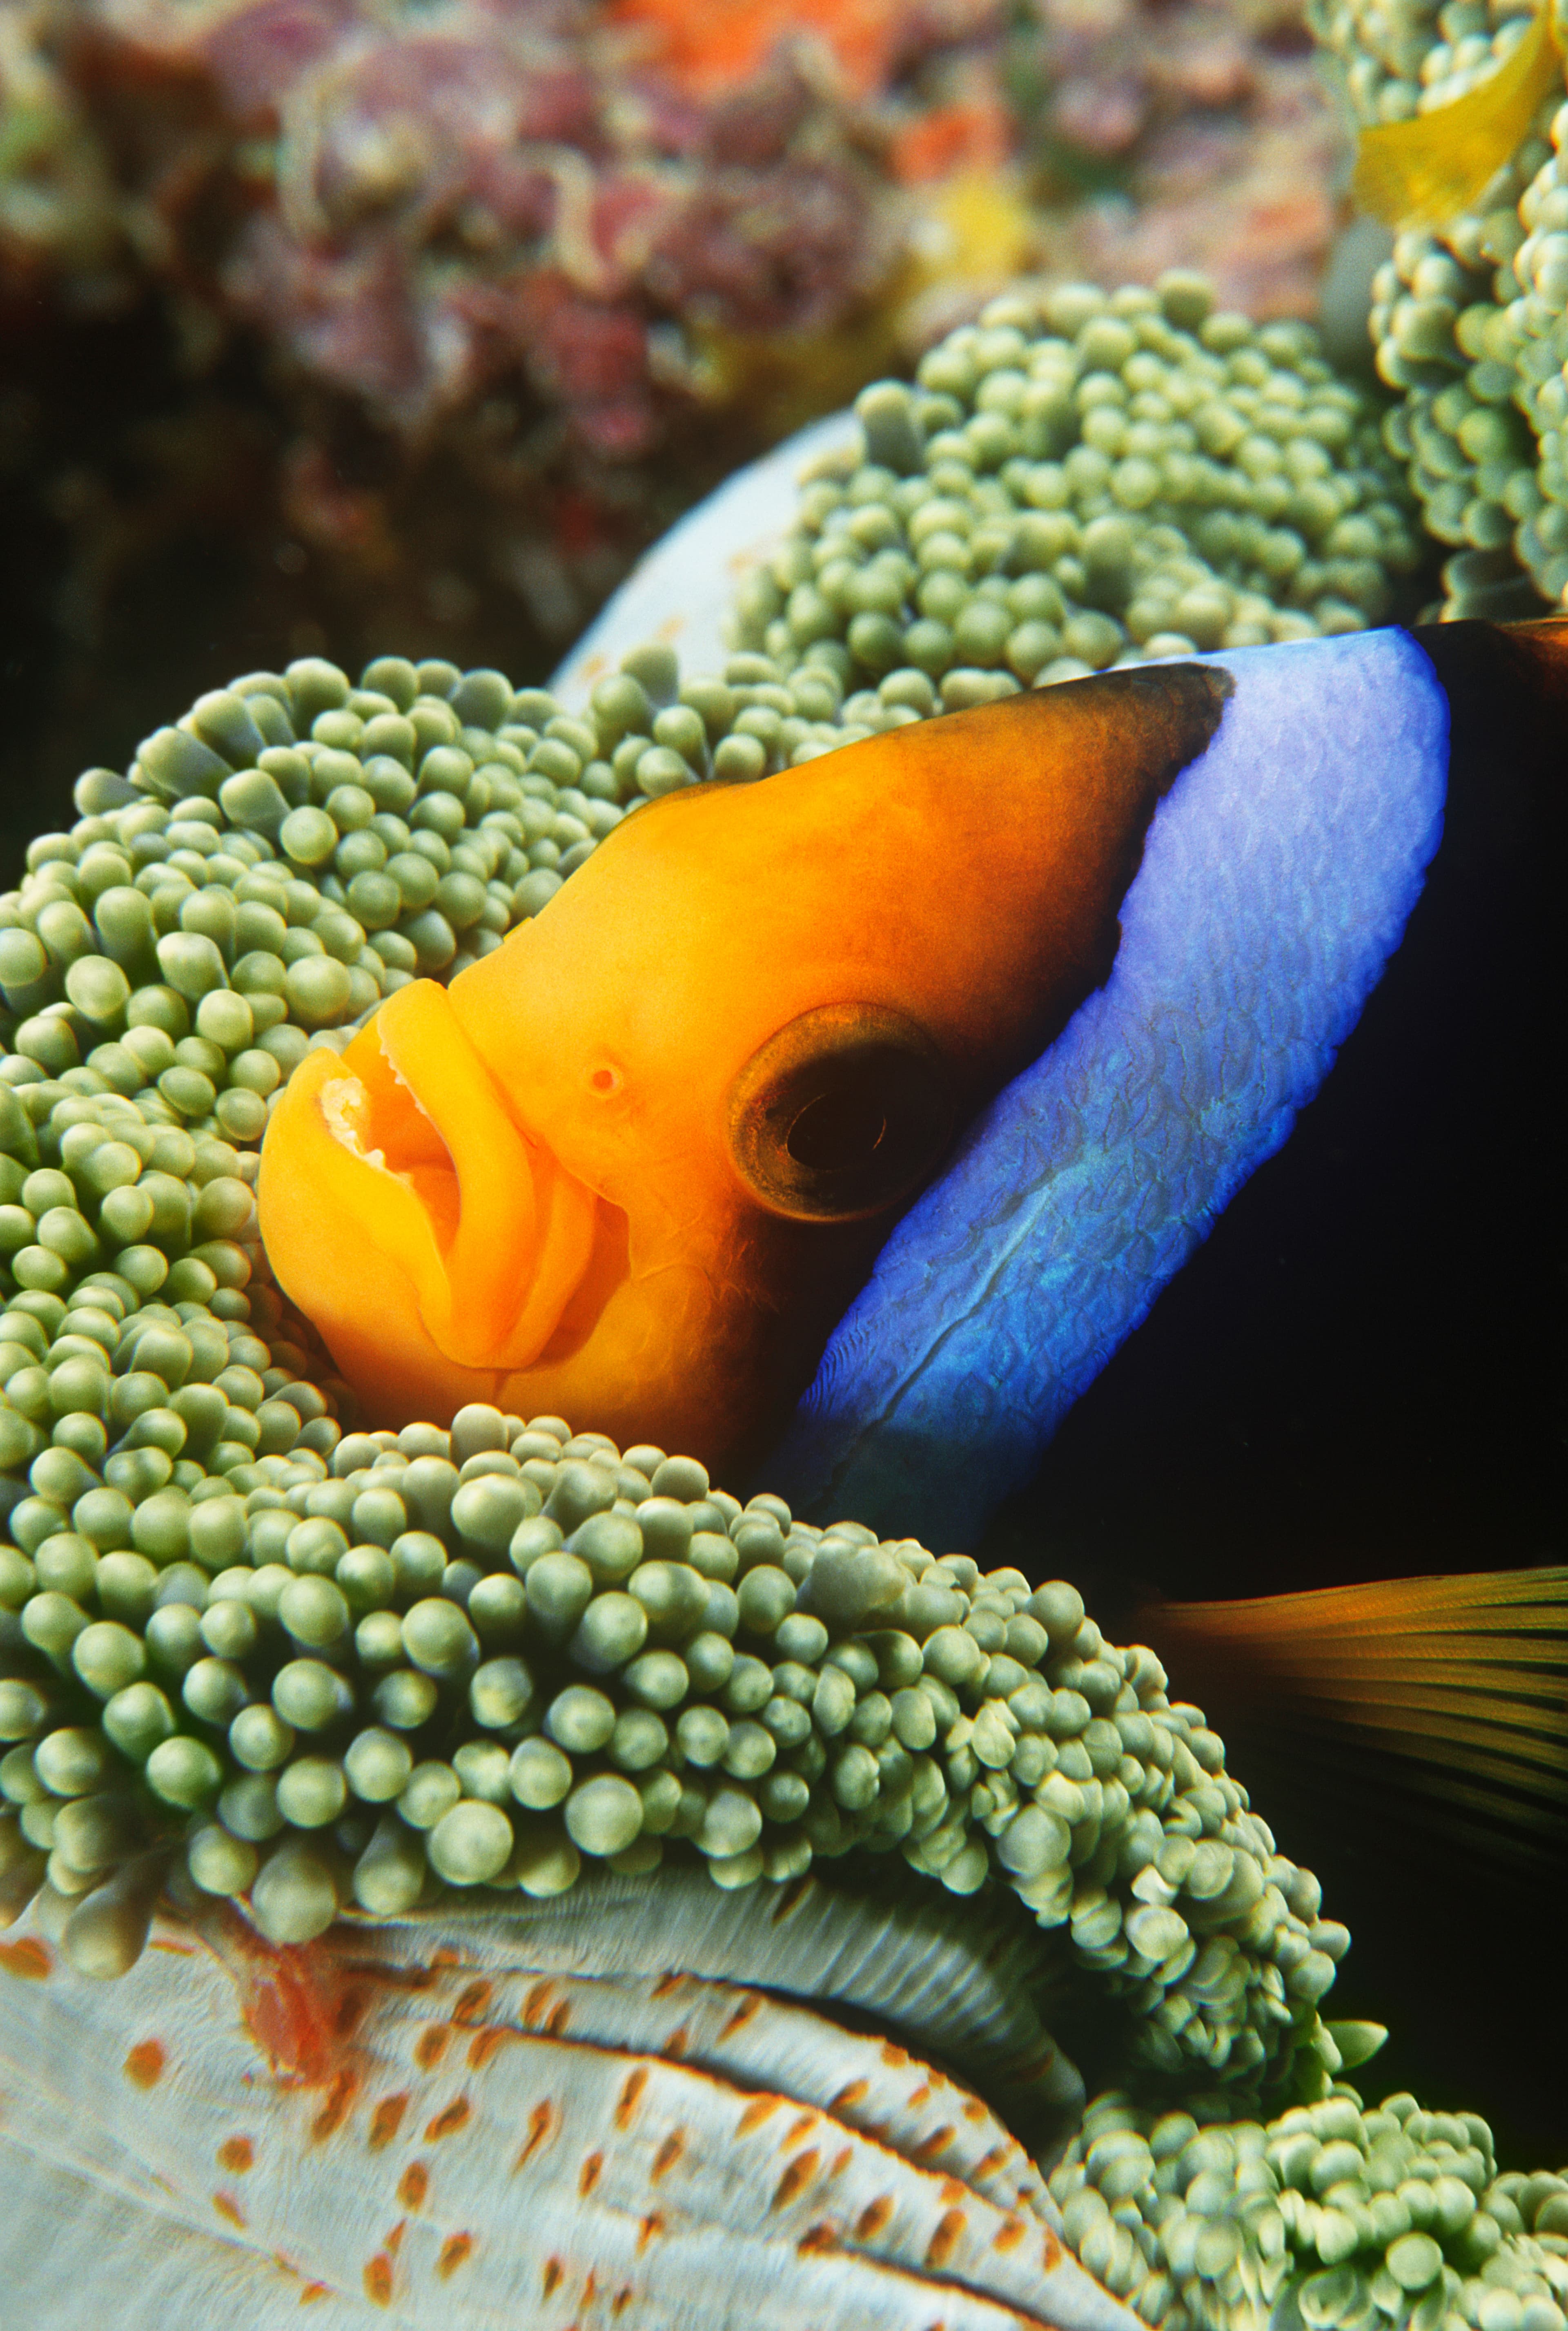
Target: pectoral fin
[
  {"x": 1428, "y": 170},
  {"x": 1458, "y": 1687}
]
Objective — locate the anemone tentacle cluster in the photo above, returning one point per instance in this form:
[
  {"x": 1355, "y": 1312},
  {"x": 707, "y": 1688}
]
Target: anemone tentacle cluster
[
  {"x": 1470, "y": 320},
  {"x": 383, "y": 1671},
  {"x": 1083, "y": 480},
  {"x": 1469, "y": 324},
  {"x": 1399, "y": 58},
  {"x": 1343, "y": 2214},
  {"x": 327, "y": 1670}
]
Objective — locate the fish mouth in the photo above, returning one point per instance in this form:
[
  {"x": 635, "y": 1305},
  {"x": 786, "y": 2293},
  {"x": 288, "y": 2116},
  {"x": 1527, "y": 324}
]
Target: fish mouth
[{"x": 409, "y": 1144}]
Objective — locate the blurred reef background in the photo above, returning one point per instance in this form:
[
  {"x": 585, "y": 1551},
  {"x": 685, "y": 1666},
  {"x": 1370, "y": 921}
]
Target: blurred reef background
[{"x": 349, "y": 323}]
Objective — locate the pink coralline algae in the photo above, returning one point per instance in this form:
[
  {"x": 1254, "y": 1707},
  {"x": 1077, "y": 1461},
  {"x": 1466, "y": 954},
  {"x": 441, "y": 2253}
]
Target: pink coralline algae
[
  {"x": 353, "y": 320},
  {"x": 1204, "y": 141},
  {"x": 422, "y": 207},
  {"x": 411, "y": 205}
]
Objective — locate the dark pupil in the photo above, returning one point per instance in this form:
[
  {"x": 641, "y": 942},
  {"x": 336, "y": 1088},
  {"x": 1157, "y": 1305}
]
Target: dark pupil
[{"x": 836, "y": 1130}]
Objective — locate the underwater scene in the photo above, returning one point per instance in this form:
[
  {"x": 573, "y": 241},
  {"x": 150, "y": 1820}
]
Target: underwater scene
[{"x": 782, "y": 1290}]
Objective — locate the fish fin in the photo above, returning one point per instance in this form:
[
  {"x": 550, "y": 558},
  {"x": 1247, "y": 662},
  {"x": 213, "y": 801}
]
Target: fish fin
[
  {"x": 1426, "y": 171},
  {"x": 1457, "y": 1687}
]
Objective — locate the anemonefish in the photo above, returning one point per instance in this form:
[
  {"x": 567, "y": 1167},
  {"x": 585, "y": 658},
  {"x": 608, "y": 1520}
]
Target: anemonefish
[
  {"x": 1055, "y": 975},
  {"x": 976, "y": 1029},
  {"x": 1382, "y": 799},
  {"x": 634, "y": 1164},
  {"x": 1364, "y": 1373}
]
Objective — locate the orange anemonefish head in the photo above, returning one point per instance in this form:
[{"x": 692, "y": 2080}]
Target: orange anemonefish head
[{"x": 634, "y": 1163}]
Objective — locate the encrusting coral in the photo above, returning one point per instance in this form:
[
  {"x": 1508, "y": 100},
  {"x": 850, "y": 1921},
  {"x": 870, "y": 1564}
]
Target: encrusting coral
[
  {"x": 414, "y": 322},
  {"x": 247, "y": 1649}
]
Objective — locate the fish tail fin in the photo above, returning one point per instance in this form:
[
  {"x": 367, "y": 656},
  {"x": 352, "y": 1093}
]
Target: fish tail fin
[
  {"x": 1428, "y": 170},
  {"x": 1456, "y": 1687}
]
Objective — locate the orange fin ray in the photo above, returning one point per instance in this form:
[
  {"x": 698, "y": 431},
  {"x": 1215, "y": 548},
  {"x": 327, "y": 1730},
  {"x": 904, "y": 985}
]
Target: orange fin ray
[
  {"x": 1483, "y": 1815},
  {"x": 1460, "y": 1683}
]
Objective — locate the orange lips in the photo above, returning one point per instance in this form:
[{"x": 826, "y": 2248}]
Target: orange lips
[{"x": 635, "y": 1162}]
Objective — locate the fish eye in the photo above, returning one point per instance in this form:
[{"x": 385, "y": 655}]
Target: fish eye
[{"x": 842, "y": 1113}]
